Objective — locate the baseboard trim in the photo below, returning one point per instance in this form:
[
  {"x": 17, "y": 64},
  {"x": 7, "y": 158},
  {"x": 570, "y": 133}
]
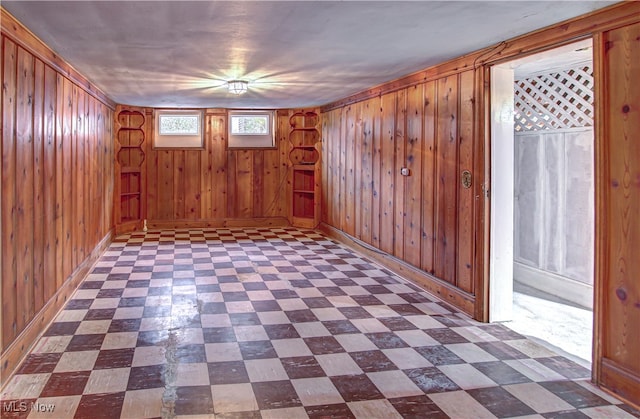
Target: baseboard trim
[
  {"x": 15, "y": 353},
  {"x": 220, "y": 223},
  {"x": 566, "y": 288},
  {"x": 459, "y": 299},
  {"x": 620, "y": 382}
]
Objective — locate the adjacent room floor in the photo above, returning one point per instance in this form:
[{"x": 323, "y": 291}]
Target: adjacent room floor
[
  {"x": 560, "y": 325},
  {"x": 280, "y": 323}
]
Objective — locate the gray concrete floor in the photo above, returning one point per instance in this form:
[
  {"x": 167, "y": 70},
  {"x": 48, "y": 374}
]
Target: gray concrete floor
[{"x": 560, "y": 325}]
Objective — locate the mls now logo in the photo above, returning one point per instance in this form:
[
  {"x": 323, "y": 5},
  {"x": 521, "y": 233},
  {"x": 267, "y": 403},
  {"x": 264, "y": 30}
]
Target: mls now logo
[{"x": 18, "y": 406}]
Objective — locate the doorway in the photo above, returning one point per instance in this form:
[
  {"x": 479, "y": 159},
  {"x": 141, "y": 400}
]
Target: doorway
[{"x": 542, "y": 198}]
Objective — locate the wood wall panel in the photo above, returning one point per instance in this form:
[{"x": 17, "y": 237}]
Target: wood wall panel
[
  {"x": 618, "y": 226},
  {"x": 466, "y": 234},
  {"x": 446, "y": 179},
  {"x": 386, "y": 185},
  {"x": 349, "y": 125},
  {"x": 423, "y": 219},
  {"x": 428, "y": 176},
  {"x": 9, "y": 252},
  {"x": 412, "y": 212},
  {"x": 56, "y": 162},
  {"x": 214, "y": 184},
  {"x": 400, "y": 186},
  {"x": 366, "y": 169}
]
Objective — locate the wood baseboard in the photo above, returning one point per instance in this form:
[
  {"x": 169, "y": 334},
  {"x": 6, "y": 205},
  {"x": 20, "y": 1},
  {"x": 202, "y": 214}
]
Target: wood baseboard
[
  {"x": 459, "y": 299},
  {"x": 220, "y": 223},
  {"x": 15, "y": 353},
  {"x": 620, "y": 382}
]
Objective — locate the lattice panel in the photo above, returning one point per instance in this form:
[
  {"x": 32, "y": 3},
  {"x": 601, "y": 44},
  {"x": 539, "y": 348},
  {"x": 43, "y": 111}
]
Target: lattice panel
[{"x": 557, "y": 100}]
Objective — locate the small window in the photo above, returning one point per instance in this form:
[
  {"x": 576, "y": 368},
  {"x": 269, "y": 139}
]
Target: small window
[
  {"x": 178, "y": 129},
  {"x": 251, "y": 129}
]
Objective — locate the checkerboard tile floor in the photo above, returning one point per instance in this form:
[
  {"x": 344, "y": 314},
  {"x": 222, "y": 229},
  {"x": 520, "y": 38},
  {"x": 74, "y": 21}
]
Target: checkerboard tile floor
[{"x": 280, "y": 323}]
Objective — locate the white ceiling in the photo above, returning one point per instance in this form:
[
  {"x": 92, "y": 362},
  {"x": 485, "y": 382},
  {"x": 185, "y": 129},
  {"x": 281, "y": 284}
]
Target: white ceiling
[{"x": 293, "y": 53}]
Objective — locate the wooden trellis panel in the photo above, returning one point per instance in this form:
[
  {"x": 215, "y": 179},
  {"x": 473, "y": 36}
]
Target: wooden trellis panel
[{"x": 557, "y": 100}]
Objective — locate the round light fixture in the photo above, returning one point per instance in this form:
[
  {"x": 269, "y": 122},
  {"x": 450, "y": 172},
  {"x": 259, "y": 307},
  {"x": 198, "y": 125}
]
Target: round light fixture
[{"x": 238, "y": 87}]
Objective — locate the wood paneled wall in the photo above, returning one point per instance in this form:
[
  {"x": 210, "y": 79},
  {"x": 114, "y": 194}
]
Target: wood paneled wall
[
  {"x": 618, "y": 212},
  {"x": 454, "y": 221},
  {"x": 216, "y": 185},
  {"x": 57, "y": 184},
  {"x": 426, "y": 219}
]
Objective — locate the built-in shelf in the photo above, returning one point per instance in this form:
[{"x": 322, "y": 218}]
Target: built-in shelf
[
  {"x": 305, "y": 157},
  {"x": 130, "y": 136}
]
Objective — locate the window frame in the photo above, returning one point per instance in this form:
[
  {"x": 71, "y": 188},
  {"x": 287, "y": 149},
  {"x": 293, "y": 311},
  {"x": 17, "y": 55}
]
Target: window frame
[
  {"x": 178, "y": 141},
  {"x": 252, "y": 141}
]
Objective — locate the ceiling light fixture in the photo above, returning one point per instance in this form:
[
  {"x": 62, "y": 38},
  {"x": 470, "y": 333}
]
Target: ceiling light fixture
[{"x": 238, "y": 87}]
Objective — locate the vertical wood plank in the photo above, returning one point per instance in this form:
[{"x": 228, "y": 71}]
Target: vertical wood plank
[
  {"x": 356, "y": 162},
  {"x": 80, "y": 192},
  {"x": 342, "y": 169},
  {"x": 258, "y": 175},
  {"x": 465, "y": 242},
  {"x": 178, "y": 184},
  {"x": 72, "y": 218},
  {"x": 220, "y": 170},
  {"x": 376, "y": 168},
  {"x": 400, "y": 182},
  {"x": 165, "y": 185},
  {"x": 619, "y": 225},
  {"x": 60, "y": 178},
  {"x": 446, "y": 175},
  {"x": 429, "y": 178},
  {"x": 9, "y": 211},
  {"x": 368, "y": 112},
  {"x": 232, "y": 184},
  {"x": 413, "y": 184},
  {"x": 272, "y": 183},
  {"x": 49, "y": 211},
  {"x": 324, "y": 152},
  {"x": 386, "y": 186},
  {"x": 24, "y": 195},
  {"x": 349, "y": 130},
  {"x": 153, "y": 168},
  {"x": 38, "y": 186},
  {"x": 335, "y": 155},
  {"x": 244, "y": 187},
  {"x": 192, "y": 186},
  {"x": 206, "y": 172}
]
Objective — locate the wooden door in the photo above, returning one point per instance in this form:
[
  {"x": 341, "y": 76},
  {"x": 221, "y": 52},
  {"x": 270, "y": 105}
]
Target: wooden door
[{"x": 617, "y": 322}]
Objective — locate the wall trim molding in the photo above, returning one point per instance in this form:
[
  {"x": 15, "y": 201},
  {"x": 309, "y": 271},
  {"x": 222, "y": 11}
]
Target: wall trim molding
[
  {"x": 15, "y": 353},
  {"x": 20, "y": 34},
  {"x": 619, "y": 381},
  {"x": 568, "y": 31},
  {"x": 441, "y": 289},
  {"x": 220, "y": 223},
  {"x": 566, "y": 288}
]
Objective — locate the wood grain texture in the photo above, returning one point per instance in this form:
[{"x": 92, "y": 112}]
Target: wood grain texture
[
  {"x": 366, "y": 160},
  {"x": 618, "y": 224},
  {"x": 422, "y": 219},
  {"x": 386, "y": 186},
  {"x": 349, "y": 126},
  {"x": 412, "y": 211},
  {"x": 400, "y": 181},
  {"x": 465, "y": 239},
  {"x": 9, "y": 191},
  {"x": 428, "y": 232},
  {"x": 446, "y": 179},
  {"x": 215, "y": 183},
  {"x": 51, "y": 176}
]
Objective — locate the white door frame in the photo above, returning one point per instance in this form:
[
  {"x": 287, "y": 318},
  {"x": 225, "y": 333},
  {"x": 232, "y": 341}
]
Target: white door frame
[{"x": 501, "y": 189}]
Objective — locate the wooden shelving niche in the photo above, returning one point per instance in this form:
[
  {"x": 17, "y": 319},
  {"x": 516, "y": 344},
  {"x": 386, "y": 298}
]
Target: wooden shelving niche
[
  {"x": 305, "y": 159},
  {"x": 130, "y": 138}
]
